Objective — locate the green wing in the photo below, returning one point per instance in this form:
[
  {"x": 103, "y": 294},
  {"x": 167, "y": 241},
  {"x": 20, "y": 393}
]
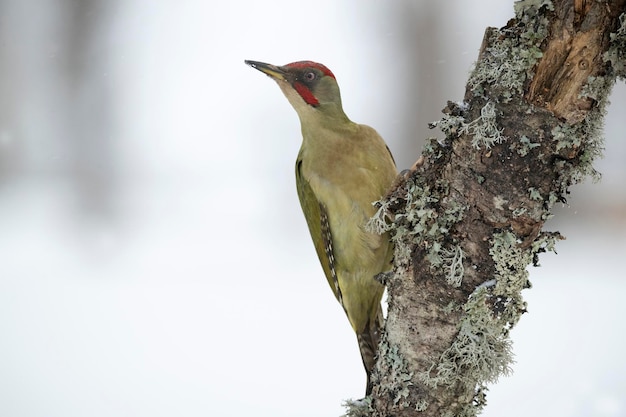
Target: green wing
[{"x": 317, "y": 219}]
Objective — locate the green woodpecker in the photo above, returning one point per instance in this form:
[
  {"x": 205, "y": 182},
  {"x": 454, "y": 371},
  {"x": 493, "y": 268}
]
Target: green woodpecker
[{"x": 341, "y": 169}]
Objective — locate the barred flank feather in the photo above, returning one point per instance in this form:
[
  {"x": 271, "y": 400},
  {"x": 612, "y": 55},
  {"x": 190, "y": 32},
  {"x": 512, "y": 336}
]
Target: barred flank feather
[
  {"x": 327, "y": 238},
  {"x": 368, "y": 345}
]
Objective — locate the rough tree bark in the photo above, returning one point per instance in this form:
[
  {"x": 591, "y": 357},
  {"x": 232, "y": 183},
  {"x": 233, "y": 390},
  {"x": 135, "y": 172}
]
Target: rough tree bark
[{"x": 467, "y": 219}]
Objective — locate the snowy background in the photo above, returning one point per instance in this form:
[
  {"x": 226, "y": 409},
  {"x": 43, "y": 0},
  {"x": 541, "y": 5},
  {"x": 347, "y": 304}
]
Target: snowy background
[{"x": 153, "y": 257}]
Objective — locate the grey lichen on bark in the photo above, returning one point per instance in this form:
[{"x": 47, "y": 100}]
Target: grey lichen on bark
[{"x": 467, "y": 219}]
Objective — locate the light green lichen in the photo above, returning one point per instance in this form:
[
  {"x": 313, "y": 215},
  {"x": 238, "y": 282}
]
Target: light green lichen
[
  {"x": 452, "y": 306},
  {"x": 421, "y": 405},
  {"x": 535, "y": 194},
  {"x": 358, "y": 408},
  {"x": 397, "y": 375},
  {"x": 519, "y": 211},
  {"x": 505, "y": 65},
  {"x": 588, "y": 134},
  {"x": 420, "y": 224},
  {"x": 616, "y": 54},
  {"x": 596, "y": 88},
  {"x": 522, "y": 6},
  {"x": 523, "y": 146},
  {"x": 450, "y": 125},
  {"x": 381, "y": 221},
  {"x": 508, "y": 60},
  {"x": 584, "y": 138},
  {"x": 482, "y": 350},
  {"x": 484, "y": 129},
  {"x": 453, "y": 265},
  {"x": 566, "y": 137},
  {"x": 433, "y": 148}
]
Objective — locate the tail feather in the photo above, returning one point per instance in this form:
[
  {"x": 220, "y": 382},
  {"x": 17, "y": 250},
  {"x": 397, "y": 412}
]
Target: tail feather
[{"x": 368, "y": 345}]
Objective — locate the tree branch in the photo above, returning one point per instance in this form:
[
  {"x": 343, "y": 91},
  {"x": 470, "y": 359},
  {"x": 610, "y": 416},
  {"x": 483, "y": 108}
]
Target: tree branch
[{"x": 467, "y": 219}]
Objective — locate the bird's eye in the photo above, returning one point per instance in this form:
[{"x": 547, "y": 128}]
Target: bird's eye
[{"x": 309, "y": 76}]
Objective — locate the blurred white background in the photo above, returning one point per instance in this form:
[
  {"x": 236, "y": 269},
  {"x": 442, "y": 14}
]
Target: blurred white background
[{"x": 153, "y": 257}]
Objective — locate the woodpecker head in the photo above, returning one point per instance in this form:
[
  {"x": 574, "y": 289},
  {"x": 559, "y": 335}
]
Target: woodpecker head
[{"x": 310, "y": 87}]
